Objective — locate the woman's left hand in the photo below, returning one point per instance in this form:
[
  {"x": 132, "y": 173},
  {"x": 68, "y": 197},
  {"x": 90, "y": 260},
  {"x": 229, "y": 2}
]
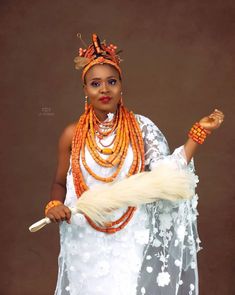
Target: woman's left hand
[{"x": 213, "y": 121}]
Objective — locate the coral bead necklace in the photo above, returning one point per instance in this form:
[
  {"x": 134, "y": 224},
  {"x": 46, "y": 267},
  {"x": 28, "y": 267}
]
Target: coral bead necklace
[{"x": 127, "y": 132}]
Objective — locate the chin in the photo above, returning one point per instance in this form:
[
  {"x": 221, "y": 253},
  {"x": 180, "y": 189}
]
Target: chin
[{"x": 108, "y": 108}]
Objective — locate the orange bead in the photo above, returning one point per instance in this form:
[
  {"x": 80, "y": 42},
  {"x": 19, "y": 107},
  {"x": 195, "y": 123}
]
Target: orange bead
[
  {"x": 107, "y": 151},
  {"x": 127, "y": 133}
]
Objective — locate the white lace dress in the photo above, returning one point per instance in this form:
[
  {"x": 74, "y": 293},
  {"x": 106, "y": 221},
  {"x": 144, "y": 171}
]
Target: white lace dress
[{"x": 154, "y": 254}]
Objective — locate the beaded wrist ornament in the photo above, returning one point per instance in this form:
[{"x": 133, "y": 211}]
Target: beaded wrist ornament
[
  {"x": 198, "y": 134},
  {"x": 52, "y": 204}
]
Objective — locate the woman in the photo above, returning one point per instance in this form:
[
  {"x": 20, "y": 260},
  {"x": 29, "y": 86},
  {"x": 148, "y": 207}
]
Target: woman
[{"x": 148, "y": 250}]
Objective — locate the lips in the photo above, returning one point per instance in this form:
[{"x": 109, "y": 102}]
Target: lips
[{"x": 105, "y": 99}]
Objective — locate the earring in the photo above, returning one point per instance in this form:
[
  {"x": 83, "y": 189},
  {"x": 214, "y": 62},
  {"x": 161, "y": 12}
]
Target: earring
[
  {"x": 121, "y": 100},
  {"x": 86, "y": 103}
]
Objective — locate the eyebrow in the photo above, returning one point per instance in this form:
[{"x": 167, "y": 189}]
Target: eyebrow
[{"x": 106, "y": 78}]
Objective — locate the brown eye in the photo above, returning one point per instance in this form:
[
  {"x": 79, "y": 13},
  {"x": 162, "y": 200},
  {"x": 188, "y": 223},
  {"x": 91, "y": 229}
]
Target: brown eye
[
  {"x": 95, "y": 84},
  {"x": 112, "y": 81}
]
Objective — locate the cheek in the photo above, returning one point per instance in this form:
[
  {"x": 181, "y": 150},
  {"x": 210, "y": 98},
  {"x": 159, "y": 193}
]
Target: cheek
[
  {"x": 117, "y": 91},
  {"x": 92, "y": 93},
  {"x": 93, "y": 97}
]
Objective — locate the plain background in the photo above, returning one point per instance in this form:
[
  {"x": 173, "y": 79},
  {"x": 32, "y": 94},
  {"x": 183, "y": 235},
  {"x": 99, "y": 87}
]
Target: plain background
[{"x": 179, "y": 64}]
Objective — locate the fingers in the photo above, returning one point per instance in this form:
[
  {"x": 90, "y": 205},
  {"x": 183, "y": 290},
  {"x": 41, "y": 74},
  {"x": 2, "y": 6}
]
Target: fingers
[
  {"x": 54, "y": 216},
  {"x": 67, "y": 214},
  {"x": 59, "y": 213},
  {"x": 218, "y": 116}
]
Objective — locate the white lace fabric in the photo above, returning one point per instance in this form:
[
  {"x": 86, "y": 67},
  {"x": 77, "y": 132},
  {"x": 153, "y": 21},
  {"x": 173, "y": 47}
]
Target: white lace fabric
[{"x": 154, "y": 254}]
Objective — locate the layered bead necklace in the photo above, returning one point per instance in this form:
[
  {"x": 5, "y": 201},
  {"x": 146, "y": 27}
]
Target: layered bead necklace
[{"x": 87, "y": 131}]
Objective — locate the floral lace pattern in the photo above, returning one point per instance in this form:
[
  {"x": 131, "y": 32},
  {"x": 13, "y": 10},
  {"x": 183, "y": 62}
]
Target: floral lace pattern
[{"x": 154, "y": 254}]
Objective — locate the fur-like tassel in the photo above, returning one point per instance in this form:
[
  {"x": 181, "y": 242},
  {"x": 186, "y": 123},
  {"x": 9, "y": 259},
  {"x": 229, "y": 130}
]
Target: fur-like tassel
[
  {"x": 164, "y": 182},
  {"x": 81, "y": 62}
]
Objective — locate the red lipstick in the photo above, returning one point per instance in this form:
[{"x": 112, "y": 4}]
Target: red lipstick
[{"x": 105, "y": 99}]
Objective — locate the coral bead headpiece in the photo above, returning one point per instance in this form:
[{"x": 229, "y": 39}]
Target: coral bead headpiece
[{"x": 97, "y": 53}]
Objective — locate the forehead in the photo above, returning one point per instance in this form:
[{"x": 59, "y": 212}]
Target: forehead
[{"x": 101, "y": 71}]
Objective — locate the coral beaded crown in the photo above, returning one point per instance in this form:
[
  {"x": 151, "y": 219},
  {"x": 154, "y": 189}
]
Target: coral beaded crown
[{"x": 97, "y": 53}]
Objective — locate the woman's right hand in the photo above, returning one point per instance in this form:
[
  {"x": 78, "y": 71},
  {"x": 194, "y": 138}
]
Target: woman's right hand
[{"x": 59, "y": 213}]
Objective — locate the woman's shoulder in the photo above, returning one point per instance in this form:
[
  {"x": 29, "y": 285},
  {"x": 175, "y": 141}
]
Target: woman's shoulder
[
  {"x": 69, "y": 130},
  {"x": 145, "y": 121},
  {"x": 149, "y": 129},
  {"x": 67, "y": 135}
]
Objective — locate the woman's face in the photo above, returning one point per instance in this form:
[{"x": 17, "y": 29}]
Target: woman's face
[{"x": 103, "y": 88}]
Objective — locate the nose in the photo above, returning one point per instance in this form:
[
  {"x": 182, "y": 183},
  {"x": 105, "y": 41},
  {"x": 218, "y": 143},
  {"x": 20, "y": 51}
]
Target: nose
[{"x": 104, "y": 88}]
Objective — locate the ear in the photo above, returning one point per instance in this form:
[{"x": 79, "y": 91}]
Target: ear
[{"x": 85, "y": 89}]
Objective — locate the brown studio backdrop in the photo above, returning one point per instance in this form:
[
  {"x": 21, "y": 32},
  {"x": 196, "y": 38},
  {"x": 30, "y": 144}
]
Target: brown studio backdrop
[{"x": 178, "y": 65}]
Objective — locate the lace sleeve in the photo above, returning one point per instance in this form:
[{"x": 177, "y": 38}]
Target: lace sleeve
[
  {"x": 155, "y": 144},
  {"x": 170, "y": 264},
  {"x": 156, "y": 147}
]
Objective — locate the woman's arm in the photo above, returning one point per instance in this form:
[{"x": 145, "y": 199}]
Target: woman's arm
[
  {"x": 210, "y": 123},
  {"x": 58, "y": 189}
]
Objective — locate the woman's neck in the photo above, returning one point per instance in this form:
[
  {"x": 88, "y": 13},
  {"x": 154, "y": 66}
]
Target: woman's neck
[{"x": 102, "y": 115}]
